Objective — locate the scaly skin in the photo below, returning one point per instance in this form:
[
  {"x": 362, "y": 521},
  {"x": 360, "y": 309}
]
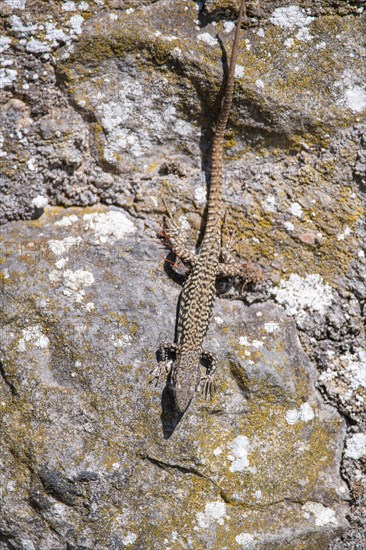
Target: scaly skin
[{"x": 198, "y": 294}]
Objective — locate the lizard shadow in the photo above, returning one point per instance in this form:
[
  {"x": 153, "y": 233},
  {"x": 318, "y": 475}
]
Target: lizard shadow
[{"x": 170, "y": 417}]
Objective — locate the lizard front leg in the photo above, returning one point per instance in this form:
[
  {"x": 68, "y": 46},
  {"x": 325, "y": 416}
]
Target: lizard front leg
[
  {"x": 163, "y": 367},
  {"x": 174, "y": 239},
  {"x": 230, "y": 267},
  {"x": 229, "y": 247},
  {"x": 208, "y": 384}
]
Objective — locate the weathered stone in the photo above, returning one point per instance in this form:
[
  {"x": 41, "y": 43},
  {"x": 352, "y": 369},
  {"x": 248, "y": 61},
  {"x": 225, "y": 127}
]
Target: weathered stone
[
  {"x": 114, "y": 102},
  {"x": 77, "y": 353}
]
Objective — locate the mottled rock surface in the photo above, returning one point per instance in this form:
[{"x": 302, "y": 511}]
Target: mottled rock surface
[
  {"x": 112, "y": 103},
  {"x": 91, "y": 446}
]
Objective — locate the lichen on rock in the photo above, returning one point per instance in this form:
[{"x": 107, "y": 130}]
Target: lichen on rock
[{"x": 112, "y": 103}]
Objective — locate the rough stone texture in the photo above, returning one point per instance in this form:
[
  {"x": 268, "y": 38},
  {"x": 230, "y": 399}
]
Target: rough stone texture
[
  {"x": 113, "y": 102},
  {"x": 94, "y": 448}
]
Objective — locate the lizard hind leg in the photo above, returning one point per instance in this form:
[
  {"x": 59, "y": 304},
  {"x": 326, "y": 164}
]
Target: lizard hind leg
[
  {"x": 163, "y": 368},
  {"x": 208, "y": 384}
]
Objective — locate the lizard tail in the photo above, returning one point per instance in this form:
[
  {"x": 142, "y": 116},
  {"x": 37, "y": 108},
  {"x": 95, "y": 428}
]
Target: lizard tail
[{"x": 214, "y": 203}]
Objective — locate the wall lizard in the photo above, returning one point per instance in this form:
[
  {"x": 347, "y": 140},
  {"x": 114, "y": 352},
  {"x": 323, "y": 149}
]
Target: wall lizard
[{"x": 198, "y": 294}]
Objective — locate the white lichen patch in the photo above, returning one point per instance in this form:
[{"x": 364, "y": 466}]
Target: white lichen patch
[
  {"x": 76, "y": 22},
  {"x": 61, "y": 263},
  {"x": 47, "y": 37},
  {"x": 34, "y": 336},
  {"x": 20, "y": 28},
  {"x": 214, "y": 513},
  {"x": 11, "y": 485},
  {"x": 151, "y": 119},
  {"x": 296, "y": 209},
  {"x": 243, "y": 341},
  {"x": 184, "y": 223},
  {"x": 16, "y": 4},
  {"x": 355, "y": 368},
  {"x": 7, "y": 77},
  {"x": 245, "y": 540},
  {"x": 5, "y": 42},
  {"x": 303, "y": 34},
  {"x": 289, "y": 226},
  {"x": 40, "y": 201},
  {"x": 36, "y": 46},
  {"x": 290, "y": 17},
  {"x": 271, "y": 327},
  {"x": 75, "y": 283},
  {"x": 351, "y": 91},
  {"x": 322, "y": 515},
  {"x": 129, "y": 539},
  {"x": 345, "y": 233},
  {"x": 68, "y": 6},
  {"x": 292, "y": 416},
  {"x": 239, "y": 71},
  {"x": 289, "y": 42},
  {"x": 63, "y": 246},
  {"x": 207, "y": 38},
  {"x": 239, "y": 454},
  {"x": 200, "y": 195},
  {"x": 79, "y": 278},
  {"x": 356, "y": 446},
  {"x": 305, "y": 413},
  {"x": 355, "y": 98},
  {"x": 66, "y": 221},
  {"x": 302, "y": 295},
  {"x": 120, "y": 340},
  {"x": 345, "y": 378},
  {"x": 321, "y": 46},
  {"x": 270, "y": 203},
  {"x": 228, "y": 26},
  {"x": 55, "y": 36},
  {"x": 169, "y": 38},
  {"x": 31, "y": 164},
  {"x": 110, "y": 226},
  {"x": 217, "y": 451}
]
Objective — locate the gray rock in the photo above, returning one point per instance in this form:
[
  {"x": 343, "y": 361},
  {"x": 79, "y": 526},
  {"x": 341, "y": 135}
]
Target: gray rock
[
  {"x": 113, "y": 103},
  {"x": 95, "y": 445}
]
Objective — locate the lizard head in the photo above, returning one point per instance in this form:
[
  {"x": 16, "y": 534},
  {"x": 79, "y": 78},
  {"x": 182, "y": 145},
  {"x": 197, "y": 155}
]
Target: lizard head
[{"x": 186, "y": 376}]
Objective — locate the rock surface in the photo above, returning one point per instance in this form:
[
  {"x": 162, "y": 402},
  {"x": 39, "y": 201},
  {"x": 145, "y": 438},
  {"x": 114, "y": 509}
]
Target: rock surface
[
  {"x": 92, "y": 448},
  {"x": 113, "y": 102}
]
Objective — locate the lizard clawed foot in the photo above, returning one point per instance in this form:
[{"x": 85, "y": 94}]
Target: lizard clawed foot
[
  {"x": 164, "y": 239},
  {"x": 161, "y": 370},
  {"x": 208, "y": 386}
]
